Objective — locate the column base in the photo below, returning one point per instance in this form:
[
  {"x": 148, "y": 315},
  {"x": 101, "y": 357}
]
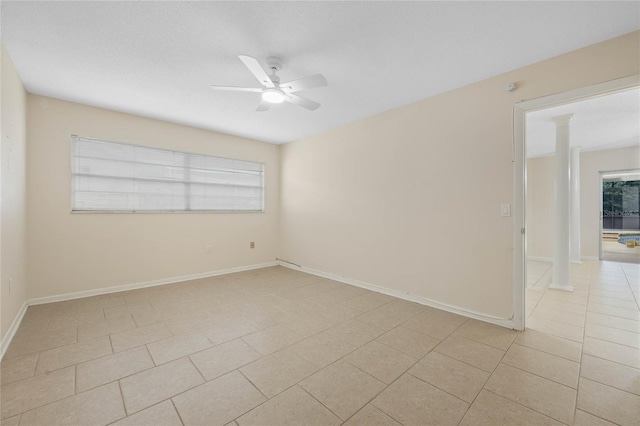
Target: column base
[{"x": 565, "y": 287}]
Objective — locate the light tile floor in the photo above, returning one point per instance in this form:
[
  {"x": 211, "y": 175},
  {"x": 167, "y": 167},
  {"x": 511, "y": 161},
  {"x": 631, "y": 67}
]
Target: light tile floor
[
  {"x": 599, "y": 325},
  {"x": 276, "y": 346}
]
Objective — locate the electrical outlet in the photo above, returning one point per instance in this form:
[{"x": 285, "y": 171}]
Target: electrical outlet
[
  {"x": 252, "y": 244},
  {"x": 207, "y": 249},
  {"x": 10, "y": 282}
]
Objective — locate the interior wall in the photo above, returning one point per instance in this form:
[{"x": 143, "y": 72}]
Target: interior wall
[
  {"x": 540, "y": 178},
  {"x": 71, "y": 252},
  {"x": 539, "y": 207},
  {"x": 410, "y": 199},
  {"x": 13, "y": 237}
]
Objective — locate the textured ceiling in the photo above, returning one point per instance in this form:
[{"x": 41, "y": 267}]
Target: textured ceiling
[
  {"x": 604, "y": 122},
  {"x": 157, "y": 59}
]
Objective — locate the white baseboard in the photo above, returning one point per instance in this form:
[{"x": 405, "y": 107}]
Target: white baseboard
[
  {"x": 596, "y": 258},
  {"x": 6, "y": 340},
  {"x": 550, "y": 259},
  {"x": 11, "y": 332},
  {"x": 504, "y": 322},
  {"x": 540, "y": 259},
  {"x": 145, "y": 284}
]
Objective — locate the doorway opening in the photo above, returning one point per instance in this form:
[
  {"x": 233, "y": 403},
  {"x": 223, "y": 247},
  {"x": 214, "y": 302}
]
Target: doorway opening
[
  {"x": 620, "y": 216},
  {"x": 536, "y": 245}
]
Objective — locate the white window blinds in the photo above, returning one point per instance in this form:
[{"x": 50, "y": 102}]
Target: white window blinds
[{"x": 117, "y": 177}]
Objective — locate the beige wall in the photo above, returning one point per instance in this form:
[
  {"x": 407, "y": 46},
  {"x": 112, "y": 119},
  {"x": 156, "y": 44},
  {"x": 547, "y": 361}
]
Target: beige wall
[
  {"x": 13, "y": 202},
  {"x": 539, "y": 205},
  {"x": 77, "y": 252},
  {"x": 410, "y": 199},
  {"x": 540, "y": 177}
]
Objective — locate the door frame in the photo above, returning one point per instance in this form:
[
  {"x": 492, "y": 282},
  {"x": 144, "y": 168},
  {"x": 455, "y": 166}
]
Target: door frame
[{"x": 520, "y": 176}]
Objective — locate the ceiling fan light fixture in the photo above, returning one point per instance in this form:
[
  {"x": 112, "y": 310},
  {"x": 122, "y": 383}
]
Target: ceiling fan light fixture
[
  {"x": 274, "y": 93},
  {"x": 273, "y": 96}
]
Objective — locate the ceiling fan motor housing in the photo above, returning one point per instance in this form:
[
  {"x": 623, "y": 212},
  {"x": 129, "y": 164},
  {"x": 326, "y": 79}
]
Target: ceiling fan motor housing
[{"x": 274, "y": 63}]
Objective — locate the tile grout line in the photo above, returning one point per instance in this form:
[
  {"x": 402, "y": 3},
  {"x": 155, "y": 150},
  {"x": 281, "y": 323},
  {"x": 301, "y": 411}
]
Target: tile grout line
[
  {"x": 542, "y": 377},
  {"x": 368, "y": 402},
  {"x": 630, "y": 289},
  {"x": 549, "y": 353},
  {"x": 266, "y": 399},
  {"x": 611, "y": 341},
  {"x": 194, "y": 366},
  {"x": 575, "y": 405},
  {"x": 173, "y": 404},
  {"x": 524, "y": 406},
  {"x": 449, "y": 393},
  {"x": 608, "y": 360},
  {"x": 162, "y": 400},
  {"x": 322, "y": 368},
  {"x": 124, "y": 405},
  {"x": 321, "y": 403},
  {"x": 408, "y": 354},
  {"x": 575, "y": 409},
  {"x": 51, "y": 402},
  {"x": 401, "y": 375},
  {"x": 530, "y": 408}
]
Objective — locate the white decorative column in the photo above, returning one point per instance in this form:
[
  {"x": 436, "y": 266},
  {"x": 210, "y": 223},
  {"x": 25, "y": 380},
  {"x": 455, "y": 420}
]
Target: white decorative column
[
  {"x": 560, "y": 279},
  {"x": 574, "y": 232}
]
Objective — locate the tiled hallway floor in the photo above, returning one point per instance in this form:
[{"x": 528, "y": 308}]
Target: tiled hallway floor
[
  {"x": 276, "y": 346},
  {"x": 601, "y": 320}
]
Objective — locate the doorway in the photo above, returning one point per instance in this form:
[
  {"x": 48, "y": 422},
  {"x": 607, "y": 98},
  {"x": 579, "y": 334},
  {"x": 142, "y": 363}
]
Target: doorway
[
  {"x": 521, "y": 209},
  {"x": 620, "y": 216}
]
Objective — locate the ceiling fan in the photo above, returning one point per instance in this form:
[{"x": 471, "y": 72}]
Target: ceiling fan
[{"x": 273, "y": 91}]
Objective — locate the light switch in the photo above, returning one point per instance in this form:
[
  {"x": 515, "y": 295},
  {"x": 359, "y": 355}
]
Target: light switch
[{"x": 506, "y": 210}]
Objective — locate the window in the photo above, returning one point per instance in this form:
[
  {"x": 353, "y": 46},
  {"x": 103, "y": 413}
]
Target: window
[
  {"x": 621, "y": 202},
  {"x": 117, "y": 177}
]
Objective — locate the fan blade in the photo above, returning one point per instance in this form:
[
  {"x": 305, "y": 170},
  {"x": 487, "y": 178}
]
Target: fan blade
[
  {"x": 237, "y": 89},
  {"x": 256, "y": 69},
  {"x": 263, "y": 106},
  {"x": 314, "y": 81},
  {"x": 300, "y": 101}
]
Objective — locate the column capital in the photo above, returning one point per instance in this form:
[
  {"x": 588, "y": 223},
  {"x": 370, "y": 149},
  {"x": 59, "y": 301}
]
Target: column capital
[{"x": 562, "y": 120}]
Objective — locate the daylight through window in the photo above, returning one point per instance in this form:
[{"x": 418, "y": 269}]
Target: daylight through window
[{"x": 118, "y": 177}]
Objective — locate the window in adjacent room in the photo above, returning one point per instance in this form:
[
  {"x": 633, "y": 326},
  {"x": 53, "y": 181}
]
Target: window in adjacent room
[{"x": 118, "y": 177}]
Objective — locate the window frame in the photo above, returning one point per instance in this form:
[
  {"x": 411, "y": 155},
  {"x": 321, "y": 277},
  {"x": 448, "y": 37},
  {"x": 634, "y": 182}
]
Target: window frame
[{"x": 187, "y": 184}]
